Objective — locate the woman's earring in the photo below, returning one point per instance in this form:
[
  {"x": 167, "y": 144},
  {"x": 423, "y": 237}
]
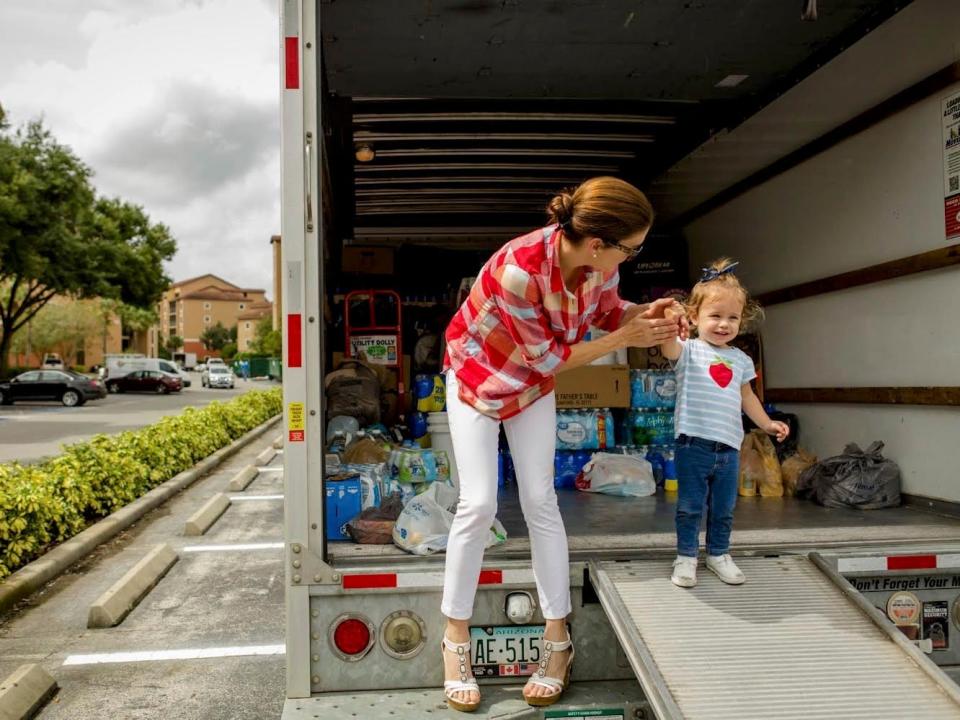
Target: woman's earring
[{"x": 594, "y": 256}]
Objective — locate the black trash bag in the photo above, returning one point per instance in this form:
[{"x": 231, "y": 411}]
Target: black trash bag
[
  {"x": 861, "y": 479},
  {"x": 374, "y": 525}
]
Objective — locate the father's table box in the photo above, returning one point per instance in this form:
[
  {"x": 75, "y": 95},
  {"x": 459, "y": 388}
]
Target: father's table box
[{"x": 594, "y": 386}]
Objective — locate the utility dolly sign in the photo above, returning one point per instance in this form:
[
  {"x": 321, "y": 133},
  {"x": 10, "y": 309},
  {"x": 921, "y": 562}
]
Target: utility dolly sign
[{"x": 375, "y": 349}]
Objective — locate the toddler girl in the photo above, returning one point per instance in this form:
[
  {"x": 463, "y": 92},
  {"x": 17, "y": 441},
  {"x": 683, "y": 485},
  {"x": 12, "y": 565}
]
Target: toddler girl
[{"x": 713, "y": 388}]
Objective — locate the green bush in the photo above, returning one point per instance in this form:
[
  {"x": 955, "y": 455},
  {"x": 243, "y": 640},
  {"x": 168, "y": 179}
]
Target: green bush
[{"x": 49, "y": 502}]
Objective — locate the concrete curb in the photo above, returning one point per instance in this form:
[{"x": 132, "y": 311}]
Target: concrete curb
[
  {"x": 266, "y": 456},
  {"x": 35, "y": 575},
  {"x": 25, "y": 692},
  {"x": 207, "y": 515},
  {"x": 239, "y": 482},
  {"x": 278, "y": 442},
  {"x": 123, "y": 596}
]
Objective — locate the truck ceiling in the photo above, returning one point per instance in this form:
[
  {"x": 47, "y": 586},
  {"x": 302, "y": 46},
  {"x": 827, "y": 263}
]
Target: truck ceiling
[{"x": 477, "y": 111}]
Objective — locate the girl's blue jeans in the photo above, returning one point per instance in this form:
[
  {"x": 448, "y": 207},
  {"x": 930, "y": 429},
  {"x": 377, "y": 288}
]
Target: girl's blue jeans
[{"x": 707, "y": 472}]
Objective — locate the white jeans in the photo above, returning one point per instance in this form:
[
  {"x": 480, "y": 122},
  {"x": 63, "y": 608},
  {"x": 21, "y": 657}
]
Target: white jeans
[{"x": 532, "y": 439}]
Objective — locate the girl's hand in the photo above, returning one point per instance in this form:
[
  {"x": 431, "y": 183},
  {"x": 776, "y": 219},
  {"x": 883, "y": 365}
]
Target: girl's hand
[
  {"x": 669, "y": 309},
  {"x": 779, "y": 429},
  {"x": 677, "y": 312}
]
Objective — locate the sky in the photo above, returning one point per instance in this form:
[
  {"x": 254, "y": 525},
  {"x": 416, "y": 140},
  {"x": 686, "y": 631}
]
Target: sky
[{"x": 174, "y": 105}]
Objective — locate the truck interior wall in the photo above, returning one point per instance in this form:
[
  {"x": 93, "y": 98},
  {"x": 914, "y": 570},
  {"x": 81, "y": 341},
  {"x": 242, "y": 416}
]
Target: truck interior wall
[
  {"x": 917, "y": 42},
  {"x": 875, "y": 197}
]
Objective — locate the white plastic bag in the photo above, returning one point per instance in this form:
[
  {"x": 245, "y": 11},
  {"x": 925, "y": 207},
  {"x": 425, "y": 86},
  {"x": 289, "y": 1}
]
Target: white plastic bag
[
  {"x": 424, "y": 525},
  {"x": 624, "y": 475}
]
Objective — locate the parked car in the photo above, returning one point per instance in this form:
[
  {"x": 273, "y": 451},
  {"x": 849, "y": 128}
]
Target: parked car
[
  {"x": 218, "y": 376},
  {"x": 121, "y": 365},
  {"x": 68, "y": 387},
  {"x": 51, "y": 361},
  {"x": 146, "y": 381}
]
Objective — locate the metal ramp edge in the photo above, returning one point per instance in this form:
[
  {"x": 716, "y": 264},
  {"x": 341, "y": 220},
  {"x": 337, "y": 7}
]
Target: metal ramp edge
[{"x": 796, "y": 641}]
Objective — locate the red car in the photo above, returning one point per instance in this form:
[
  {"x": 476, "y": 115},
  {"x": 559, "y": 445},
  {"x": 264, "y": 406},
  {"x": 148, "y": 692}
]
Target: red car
[{"x": 146, "y": 381}]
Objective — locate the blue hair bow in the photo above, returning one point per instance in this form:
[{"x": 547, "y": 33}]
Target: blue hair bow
[{"x": 712, "y": 273}]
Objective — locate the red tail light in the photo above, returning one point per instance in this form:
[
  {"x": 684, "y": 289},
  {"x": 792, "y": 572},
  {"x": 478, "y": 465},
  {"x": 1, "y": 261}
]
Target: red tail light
[{"x": 352, "y": 637}]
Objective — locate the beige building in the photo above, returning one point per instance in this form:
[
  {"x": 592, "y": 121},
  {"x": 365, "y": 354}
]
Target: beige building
[
  {"x": 247, "y": 324},
  {"x": 277, "y": 279},
  {"x": 97, "y": 333},
  {"x": 191, "y": 306}
]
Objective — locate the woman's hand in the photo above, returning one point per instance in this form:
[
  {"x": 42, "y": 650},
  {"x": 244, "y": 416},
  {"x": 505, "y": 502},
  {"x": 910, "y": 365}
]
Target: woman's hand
[
  {"x": 643, "y": 331},
  {"x": 669, "y": 309}
]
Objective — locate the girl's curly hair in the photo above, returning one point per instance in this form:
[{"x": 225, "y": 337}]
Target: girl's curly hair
[{"x": 719, "y": 277}]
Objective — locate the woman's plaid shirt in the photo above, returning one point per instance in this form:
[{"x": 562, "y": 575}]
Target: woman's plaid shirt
[{"x": 514, "y": 331}]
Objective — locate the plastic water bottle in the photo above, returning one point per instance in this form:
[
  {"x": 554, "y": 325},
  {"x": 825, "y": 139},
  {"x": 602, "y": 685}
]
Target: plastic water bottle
[
  {"x": 611, "y": 425},
  {"x": 418, "y": 425},
  {"x": 657, "y": 462},
  {"x": 670, "y": 483}
]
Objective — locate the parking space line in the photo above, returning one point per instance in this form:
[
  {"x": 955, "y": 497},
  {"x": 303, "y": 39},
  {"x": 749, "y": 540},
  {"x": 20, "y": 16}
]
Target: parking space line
[
  {"x": 185, "y": 654},
  {"x": 228, "y": 548}
]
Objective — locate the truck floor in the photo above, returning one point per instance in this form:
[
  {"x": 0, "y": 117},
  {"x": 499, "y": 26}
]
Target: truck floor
[{"x": 603, "y": 523}]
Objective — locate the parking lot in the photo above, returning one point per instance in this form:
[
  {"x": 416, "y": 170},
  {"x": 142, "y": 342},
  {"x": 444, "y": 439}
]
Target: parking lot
[
  {"x": 31, "y": 431},
  {"x": 205, "y": 644}
]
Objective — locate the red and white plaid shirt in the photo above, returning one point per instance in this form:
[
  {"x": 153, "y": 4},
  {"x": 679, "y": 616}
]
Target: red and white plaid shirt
[{"x": 514, "y": 331}]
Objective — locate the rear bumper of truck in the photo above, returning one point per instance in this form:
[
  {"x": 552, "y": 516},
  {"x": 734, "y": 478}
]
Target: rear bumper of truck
[{"x": 611, "y": 700}]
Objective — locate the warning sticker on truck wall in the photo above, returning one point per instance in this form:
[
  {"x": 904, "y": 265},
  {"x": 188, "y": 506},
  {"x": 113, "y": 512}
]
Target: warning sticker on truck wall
[
  {"x": 936, "y": 627},
  {"x": 903, "y": 608},
  {"x": 296, "y": 426}
]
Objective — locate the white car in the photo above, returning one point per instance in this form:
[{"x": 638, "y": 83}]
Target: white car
[
  {"x": 51, "y": 361},
  {"x": 218, "y": 376}
]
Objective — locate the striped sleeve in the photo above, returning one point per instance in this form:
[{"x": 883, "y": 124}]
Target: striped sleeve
[
  {"x": 518, "y": 299},
  {"x": 611, "y": 307},
  {"x": 749, "y": 369}
]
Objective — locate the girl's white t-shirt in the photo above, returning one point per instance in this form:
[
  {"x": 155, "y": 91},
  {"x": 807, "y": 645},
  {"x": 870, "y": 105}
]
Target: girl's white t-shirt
[{"x": 709, "y": 381}]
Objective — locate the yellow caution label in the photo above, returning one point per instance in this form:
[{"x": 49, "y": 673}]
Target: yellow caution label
[{"x": 296, "y": 422}]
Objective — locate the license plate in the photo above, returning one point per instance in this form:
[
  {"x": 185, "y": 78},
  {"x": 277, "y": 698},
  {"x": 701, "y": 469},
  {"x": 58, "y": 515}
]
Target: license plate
[{"x": 506, "y": 650}]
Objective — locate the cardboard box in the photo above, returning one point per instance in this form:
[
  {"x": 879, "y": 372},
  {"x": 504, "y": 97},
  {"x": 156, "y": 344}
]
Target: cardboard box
[
  {"x": 648, "y": 359},
  {"x": 594, "y": 386},
  {"x": 367, "y": 260}
]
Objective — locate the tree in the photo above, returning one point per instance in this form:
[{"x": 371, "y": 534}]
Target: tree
[
  {"x": 215, "y": 337},
  {"x": 173, "y": 343},
  {"x": 229, "y": 351},
  {"x": 267, "y": 341},
  {"x": 57, "y": 238}
]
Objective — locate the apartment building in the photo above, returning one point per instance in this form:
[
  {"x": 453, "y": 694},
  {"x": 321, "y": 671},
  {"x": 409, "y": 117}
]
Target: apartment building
[
  {"x": 191, "y": 306},
  {"x": 247, "y": 324}
]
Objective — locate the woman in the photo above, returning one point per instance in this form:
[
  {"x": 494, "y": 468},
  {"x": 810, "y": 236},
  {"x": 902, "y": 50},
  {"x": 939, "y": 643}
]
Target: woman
[{"x": 524, "y": 322}]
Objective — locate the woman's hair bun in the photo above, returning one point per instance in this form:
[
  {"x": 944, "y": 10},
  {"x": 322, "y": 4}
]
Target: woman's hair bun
[{"x": 560, "y": 208}]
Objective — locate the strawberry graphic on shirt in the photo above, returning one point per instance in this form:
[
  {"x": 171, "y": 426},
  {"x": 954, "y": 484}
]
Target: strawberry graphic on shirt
[{"x": 721, "y": 371}]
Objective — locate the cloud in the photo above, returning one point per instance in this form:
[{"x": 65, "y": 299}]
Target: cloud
[
  {"x": 173, "y": 103},
  {"x": 196, "y": 141}
]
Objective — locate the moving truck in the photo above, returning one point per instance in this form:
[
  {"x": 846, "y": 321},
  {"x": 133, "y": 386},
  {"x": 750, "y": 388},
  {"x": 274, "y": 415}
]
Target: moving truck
[{"x": 818, "y": 146}]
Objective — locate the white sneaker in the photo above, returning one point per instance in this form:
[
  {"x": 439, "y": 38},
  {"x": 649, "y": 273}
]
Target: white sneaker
[
  {"x": 725, "y": 569},
  {"x": 684, "y": 571}
]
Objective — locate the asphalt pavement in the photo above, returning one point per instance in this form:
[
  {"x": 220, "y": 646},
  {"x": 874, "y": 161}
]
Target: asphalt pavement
[
  {"x": 31, "y": 431},
  {"x": 207, "y": 643}
]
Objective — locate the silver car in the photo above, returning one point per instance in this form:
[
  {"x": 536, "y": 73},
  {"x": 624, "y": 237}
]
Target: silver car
[{"x": 218, "y": 376}]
